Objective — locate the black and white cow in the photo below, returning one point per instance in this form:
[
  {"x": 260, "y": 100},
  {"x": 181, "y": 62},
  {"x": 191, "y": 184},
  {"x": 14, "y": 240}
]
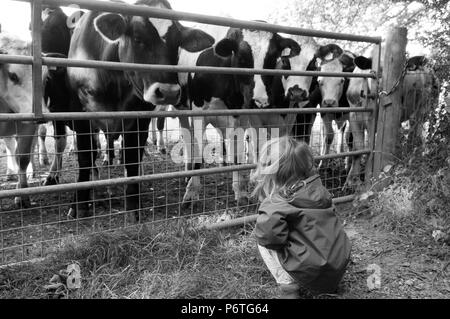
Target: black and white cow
[
  {"x": 318, "y": 91},
  {"x": 132, "y": 39},
  {"x": 333, "y": 91},
  {"x": 299, "y": 91},
  {"x": 419, "y": 89},
  {"x": 16, "y": 97},
  {"x": 237, "y": 48},
  {"x": 56, "y": 35}
]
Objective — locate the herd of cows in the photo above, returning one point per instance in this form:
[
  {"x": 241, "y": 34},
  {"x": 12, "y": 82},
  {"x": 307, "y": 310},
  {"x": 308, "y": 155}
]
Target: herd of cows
[{"x": 135, "y": 39}]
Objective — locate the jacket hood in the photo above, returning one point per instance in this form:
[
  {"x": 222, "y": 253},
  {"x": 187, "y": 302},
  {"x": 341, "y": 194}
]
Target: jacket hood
[{"x": 308, "y": 193}]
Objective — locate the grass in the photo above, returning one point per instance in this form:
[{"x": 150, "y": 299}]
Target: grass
[{"x": 175, "y": 261}]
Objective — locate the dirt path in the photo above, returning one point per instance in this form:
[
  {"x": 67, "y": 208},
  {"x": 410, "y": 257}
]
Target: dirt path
[{"x": 407, "y": 268}]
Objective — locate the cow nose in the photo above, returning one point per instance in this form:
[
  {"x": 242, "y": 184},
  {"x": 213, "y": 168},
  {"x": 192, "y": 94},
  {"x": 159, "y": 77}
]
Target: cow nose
[
  {"x": 162, "y": 94},
  {"x": 330, "y": 103},
  {"x": 261, "y": 103},
  {"x": 297, "y": 94}
]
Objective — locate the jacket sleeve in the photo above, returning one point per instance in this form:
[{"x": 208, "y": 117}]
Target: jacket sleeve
[{"x": 271, "y": 230}]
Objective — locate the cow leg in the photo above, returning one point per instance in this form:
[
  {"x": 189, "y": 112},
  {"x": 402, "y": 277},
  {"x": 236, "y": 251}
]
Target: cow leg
[
  {"x": 108, "y": 157},
  {"x": 73, "y": 147},
  {"x": 160, "y": 126},
  {"x": 11, "y": 162},
  {"x": 153, "y": 128},
  {"x": 329, "y": 137},
  {"x": 97, "y": 144},
  {"x": 193, "y": 158},
  {"x": 23, "y": 156},
  {"x": 43, "y": 155},
  {"x": 340, "y": 140},
  {"x": 187, "y": 134},
  {"x": 357, "y": 130},
  {"x": 348, "y": 137},
  {"x": 152, "y": 135},
  {"x": 133, "y": 144},
  {"x": 86, "y": 161},
  {"x": 239, "y": 182},
  {"x": 60, "y": 146},
  {"x": 120, "y": 160}
]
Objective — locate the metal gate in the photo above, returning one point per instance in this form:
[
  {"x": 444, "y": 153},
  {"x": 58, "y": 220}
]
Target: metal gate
[{"x": 32, "y": 232}]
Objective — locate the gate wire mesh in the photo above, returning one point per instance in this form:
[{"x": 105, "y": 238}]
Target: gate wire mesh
[{"x": 31, "y": 231}]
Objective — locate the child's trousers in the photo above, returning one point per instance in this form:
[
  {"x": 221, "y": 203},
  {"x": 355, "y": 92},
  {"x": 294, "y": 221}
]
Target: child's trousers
[{"x": 272, "y": 262}]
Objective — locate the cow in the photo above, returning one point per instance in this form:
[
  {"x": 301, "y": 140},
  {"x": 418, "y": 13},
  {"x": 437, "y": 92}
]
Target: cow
[
  {"x": 333, "y": 91},
  {"x": 238, "y": 48},
  {"x": 16, "y": 97},
  {"x": 157, "y": 127},
  {"x": 57, "y": 30},
  {"x": 288, "y": 90},
  {"x": 322, "y": 91},
  {"x": 56, "y": 36},
  {"x": 132, "y": 39},
  {"x": 418, "y": 88}
]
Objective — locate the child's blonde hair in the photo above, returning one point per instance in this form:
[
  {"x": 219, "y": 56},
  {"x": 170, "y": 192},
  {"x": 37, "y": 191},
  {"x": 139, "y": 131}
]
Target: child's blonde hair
[{"x": 283, "y": 162}]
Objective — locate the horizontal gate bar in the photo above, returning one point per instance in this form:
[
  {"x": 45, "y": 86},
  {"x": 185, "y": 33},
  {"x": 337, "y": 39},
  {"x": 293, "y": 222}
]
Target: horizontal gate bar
[
  {"x": 16, "y": 59},
  {"x": 147, "y": 178},
  {"x": 206, "y": 19},
  {"x": 184, "y": 113},
  {"x": 252, "y": 218},
  {"x": 194, "y": 69},
  {"x": 173, "y": 68}
]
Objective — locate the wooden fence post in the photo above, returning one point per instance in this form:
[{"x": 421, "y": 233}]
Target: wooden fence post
[{"x": 390, "y": 105}]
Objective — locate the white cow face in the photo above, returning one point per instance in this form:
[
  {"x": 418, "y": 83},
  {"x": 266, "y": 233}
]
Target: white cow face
[
  {"x": 336, "y": 61},
  {"x": 331, "y": 88},
  {"x": 266, "y": 49},
  {"x": 16, "y": 79},
  {"x": 297, "y": 87}
]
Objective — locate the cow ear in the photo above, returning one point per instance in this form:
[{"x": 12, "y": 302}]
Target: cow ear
[
  {"x": 111, "y": 26},
  {"x": 290, "y": 45},
  {"x": 329, "y": 52},
  {"x": 347, "y": 60},
  {"x": 195, "y": 40},
  {"x": 74, "y": 18},
  {"x": 225, "y": 47},
  {"x": 363, "y": 63},
  {"x": 285, "y": 63}
]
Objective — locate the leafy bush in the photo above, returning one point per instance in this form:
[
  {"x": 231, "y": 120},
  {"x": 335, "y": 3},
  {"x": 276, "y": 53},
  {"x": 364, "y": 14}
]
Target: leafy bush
[{"x": 417, "y": 199}]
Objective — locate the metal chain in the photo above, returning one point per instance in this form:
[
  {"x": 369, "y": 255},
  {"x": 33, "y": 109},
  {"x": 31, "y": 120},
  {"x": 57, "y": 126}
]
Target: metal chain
[{"x": 397, "y": 83}]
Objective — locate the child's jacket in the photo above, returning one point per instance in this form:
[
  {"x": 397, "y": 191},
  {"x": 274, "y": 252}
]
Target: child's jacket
[{"x": 307, "y": 235}]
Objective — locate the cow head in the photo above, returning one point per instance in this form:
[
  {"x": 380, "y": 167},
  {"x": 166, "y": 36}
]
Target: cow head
[
  {"x": 239, "y": 52},
  {"x": 333, "y": 59},
  {"x": 266, "y": 49},
  {"x": 294, "y": 89},
  {"x": 151, "y": 41},
  {"x": 16, "y": 79}
]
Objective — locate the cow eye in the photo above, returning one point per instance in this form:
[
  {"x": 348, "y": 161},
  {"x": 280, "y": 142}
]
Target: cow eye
[{"x": 13, "y": 77}]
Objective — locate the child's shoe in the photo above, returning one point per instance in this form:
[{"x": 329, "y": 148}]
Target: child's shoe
[{"x": 289, "y": 291}]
